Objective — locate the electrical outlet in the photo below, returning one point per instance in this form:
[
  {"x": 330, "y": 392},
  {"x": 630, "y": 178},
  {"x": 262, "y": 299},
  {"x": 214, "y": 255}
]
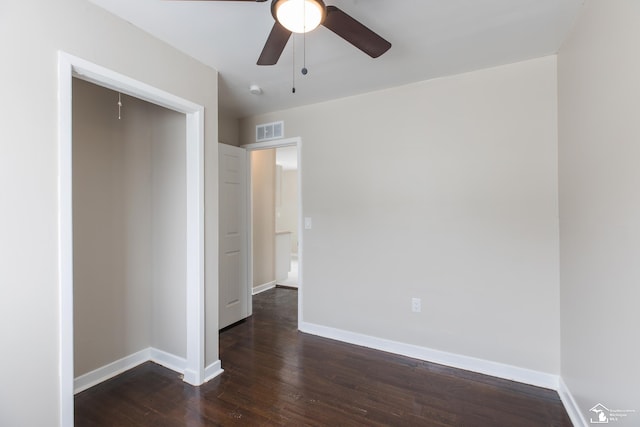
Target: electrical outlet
[{"x": 416, "y": 305}]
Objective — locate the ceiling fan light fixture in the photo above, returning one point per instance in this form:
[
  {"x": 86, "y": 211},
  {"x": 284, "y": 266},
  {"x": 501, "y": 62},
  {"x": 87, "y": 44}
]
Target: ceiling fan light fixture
[{"x": 299, "y": 16}]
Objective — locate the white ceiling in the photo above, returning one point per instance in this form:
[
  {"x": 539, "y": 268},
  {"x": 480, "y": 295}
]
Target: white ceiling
[{"x": 430, "y": 38}]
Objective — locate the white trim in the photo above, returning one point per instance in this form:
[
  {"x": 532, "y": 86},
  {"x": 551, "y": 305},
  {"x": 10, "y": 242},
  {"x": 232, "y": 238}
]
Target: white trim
[
  {"x": 194, "y": 371},
  {"x": 68, "y": 67},
  {"x": 110, "y": 370},
  {"x": 287, "y": 142},
  {"x": 248, "y": 218},
  {"x": 168, "y": 360},
  {"x": 300, "y": 235},
  {"x": 65, "y": 242},
  {"x": 487, "y": 367},
  {"x": 213, "y": 371},
  {"x": 105, "y": 77},
  {"x": 571, "y": 406},
  {"x": 106, "y": 372},
  {"x": 264, "y": 287}
]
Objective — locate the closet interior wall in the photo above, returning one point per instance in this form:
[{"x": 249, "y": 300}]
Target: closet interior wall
[{"x": 129, "y": 227}]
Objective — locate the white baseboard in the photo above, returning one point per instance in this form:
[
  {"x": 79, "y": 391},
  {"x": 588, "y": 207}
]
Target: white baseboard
[
  {"x": 190, "y": 376},
  {"x": 571, "y": 406},
  {"x": 106, "y": 372},
  {"x": 487, "y": 367},
  {"x": 168, "y": 360},
  {"x": 88, "y": 380},
  {"x": 212, "y": 371},
  {"x": 264, "y": 287}
]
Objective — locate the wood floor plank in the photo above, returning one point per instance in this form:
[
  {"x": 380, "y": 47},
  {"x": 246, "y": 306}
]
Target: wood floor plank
[{"x": 275, "y": 375}]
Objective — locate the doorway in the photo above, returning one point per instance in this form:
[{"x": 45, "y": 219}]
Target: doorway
[
  {"x": 70, "y": 67},
  {"x": 287, "y": 217},
  {"x": 266, "y": 234}
]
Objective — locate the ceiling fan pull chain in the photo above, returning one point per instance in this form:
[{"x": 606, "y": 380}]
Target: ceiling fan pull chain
[
  {"x": 293, "y": 64},
  {"x": 304, "y": 39},
  {"x": 119, "y": 106},
  {"x": 304, "y": 53}
]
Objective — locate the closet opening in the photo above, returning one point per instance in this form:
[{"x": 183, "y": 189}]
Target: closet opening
[
  {"x": 129, "y": 234},
  {"x": 124, "y": 176}
]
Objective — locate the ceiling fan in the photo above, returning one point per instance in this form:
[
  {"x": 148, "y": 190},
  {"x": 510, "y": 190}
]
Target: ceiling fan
[{"x": 302, "y": 16}]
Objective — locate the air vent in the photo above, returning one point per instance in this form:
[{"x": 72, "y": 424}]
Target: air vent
[{"x": 269, "y": 131}]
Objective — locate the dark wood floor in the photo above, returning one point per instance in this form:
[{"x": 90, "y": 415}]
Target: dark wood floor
[{"x": 275, "y": 375}]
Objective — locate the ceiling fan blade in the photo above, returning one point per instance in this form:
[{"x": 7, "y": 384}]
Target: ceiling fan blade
[
  {"x": 274, "y": 46},
  {"x": 355, "y": 33}
]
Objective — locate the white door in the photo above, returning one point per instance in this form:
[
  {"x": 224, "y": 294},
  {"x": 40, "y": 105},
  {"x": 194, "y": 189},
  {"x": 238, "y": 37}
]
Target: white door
[{"x": 233, "y": 287}]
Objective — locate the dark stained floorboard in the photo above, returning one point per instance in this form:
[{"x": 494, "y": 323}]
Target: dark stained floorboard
[{"x": 275, "y": 375}]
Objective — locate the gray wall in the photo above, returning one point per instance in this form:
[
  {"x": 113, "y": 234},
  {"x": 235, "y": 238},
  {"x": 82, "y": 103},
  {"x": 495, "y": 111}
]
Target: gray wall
[
  {"x": 599, "y": 69},
  {"x": 444, "y": 190},
  {"x": 129, "y": 228},
  {"x": 168, "y": 240},
  {"x": 29, "y": 296},
  {"x": 112, "y": 227},
  {"x": 228, "y": 129}
]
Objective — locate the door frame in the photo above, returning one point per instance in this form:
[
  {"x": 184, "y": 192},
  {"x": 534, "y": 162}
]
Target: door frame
[
  {"x": 70, "y": 66},
  {"x": 287, "y": 142}
]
